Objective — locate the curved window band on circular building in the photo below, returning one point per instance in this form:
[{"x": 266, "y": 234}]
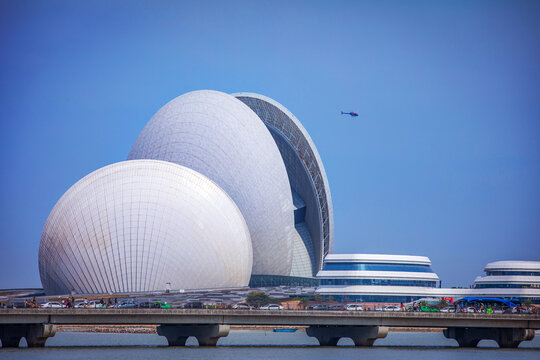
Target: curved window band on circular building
[
  {"x": 505, "y": 286},
  {"x": 384, "y": 282},
  {"x": 348, "y": 266},
  {"x": 510, "y": 272},
  {"x": 283, "y": 125}
]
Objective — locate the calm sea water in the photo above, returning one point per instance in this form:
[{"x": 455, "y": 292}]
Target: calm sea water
[{"x": 242, "y": 344}]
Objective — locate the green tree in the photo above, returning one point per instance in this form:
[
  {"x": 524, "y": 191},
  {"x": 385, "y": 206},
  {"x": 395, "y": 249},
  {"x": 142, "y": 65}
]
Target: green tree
[{"x": 257, "y": 298}]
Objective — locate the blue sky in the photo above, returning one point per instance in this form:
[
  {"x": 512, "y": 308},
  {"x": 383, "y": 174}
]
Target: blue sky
[{"x": 443, "y": 161}]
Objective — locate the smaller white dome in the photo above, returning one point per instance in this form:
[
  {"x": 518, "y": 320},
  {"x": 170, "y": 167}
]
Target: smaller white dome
[{"x": 137, "y": 225}]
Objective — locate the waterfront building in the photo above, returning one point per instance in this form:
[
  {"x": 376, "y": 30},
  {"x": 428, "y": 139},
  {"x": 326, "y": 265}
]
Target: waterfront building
[
  {"x": 135, "y": 226},
  {"x": 313, "y": 233},
  {"x": 401, "y": 278},
  {"x": 376, "y": 278},
  {"x": 510, "y": 275},
  {"x": 220, "y": 137},
  {"x": 260, "y": 154},
  {"x": 245, "y": 150}
]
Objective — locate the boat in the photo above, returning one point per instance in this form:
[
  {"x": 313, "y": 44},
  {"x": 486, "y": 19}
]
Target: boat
[{"x": 284, "y": 329}]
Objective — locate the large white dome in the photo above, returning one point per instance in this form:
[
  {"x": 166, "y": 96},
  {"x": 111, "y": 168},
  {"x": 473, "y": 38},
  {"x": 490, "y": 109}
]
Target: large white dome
[
  {"x": 137, "y": 225},
  {"x": 219, "y": 136}
]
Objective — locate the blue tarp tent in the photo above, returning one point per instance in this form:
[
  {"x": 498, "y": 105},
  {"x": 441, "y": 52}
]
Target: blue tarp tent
[{"x": 473, "y": 299}]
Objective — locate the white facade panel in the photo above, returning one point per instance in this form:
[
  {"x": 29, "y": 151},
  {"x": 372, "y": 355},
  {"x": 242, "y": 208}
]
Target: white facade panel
[
  {"x": 378, "y": 258},
  {"x": 138, "y": 225},
  {"x": 219, "y": 136},
  {"x": 514, "y": 265},
  {"x": 304, "y": 167},
  {"x": 509, "y": 279}
]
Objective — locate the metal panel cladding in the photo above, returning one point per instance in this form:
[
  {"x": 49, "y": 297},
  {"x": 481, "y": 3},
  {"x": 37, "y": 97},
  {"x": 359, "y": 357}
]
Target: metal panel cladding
[
  {"x": 138, "y": 225},
  {"x": 304, "y": 166},
  {"x": 219, "y": 136}
]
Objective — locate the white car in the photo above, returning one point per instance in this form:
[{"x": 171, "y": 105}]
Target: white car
[
  {"x": 447, "y": 309},
  {"x": 391, "y": 308},
  {"x": 95, "y": 304},
  {"x": 354, "y": 307},
  {"x": 271, "y": 307},
  {"x": 52, "y": 305}
]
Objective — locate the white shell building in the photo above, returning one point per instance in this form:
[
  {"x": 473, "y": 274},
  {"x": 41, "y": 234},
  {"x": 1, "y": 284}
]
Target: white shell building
[
  {"x": 219, "y": 191},
  {"x": 138, "y": 225},
  {"x": 218, "y": 136},
  {"x": 313, "y": 217}
]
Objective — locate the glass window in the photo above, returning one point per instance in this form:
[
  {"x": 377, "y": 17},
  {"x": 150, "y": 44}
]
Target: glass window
[
  {"x": 507, "y": 286},
  {"x": 376, "y": 267},
  {"x": 510, "y": 272},
  {"x": 389, "y": 282}
]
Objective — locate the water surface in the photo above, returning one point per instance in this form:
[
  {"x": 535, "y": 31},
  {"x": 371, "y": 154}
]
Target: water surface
[{"x": 243, "y": 344}]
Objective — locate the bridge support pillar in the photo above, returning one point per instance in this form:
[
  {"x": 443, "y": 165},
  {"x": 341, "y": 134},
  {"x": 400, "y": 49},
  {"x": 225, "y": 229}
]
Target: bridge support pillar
[
  {"x": 36, "y": 334},
  {"x": 505, "y": 337},
  {"x": 361, "y": 335},
  {"x": 207, "y": 335}
]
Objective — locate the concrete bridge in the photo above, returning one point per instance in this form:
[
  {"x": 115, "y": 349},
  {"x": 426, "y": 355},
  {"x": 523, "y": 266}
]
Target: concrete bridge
[{"x": 363, "y": 327}]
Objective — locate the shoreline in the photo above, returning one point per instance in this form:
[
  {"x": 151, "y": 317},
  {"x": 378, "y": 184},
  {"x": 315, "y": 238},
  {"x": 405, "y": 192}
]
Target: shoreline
[{"x": 151, "y": 329}]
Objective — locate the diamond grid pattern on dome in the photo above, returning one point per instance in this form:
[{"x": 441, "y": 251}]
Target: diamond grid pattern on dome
[
  {"x": 217, "y": 135},
  {"x": 137, "y": 225}
]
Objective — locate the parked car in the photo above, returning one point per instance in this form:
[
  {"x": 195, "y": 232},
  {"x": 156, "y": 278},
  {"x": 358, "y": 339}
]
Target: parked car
[
  {"x": 52, "y": 305},
  {"x": 193, "y": 305},
  {"x": 318, "y": 307},
  {"x": 354, "y": 307},
  {"x": 240, "y": 306},
  {"x": 338, "y": 307},
  {"x": 16, "y": 305},
  {"x": 95, "y": 304},
  {"x": 391, "y": 308},
  {"x": 130, "y": 304},
  {"x": 163, "y": 305},
  {"x": 271, "y": 307},
  {"x": 149, "y": 305},
  {"x": 448, "y": 309}
]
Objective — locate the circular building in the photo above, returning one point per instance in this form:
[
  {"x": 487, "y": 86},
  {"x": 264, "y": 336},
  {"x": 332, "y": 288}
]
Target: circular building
[
  {"x": 138, "y": 225},
  {"x": 314, "y": 224},
  {"x": 510, "y": 274},
  {"x": 217, "y": 135}
]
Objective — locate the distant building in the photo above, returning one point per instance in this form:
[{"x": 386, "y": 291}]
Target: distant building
[
  {"x": 219, "y": 191},
  {"x": 403, "y": 278},
  {"x": 260, "y": 154},
  {"x": 510, "y": 275},
  {"x": 376, "y": 278}
]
